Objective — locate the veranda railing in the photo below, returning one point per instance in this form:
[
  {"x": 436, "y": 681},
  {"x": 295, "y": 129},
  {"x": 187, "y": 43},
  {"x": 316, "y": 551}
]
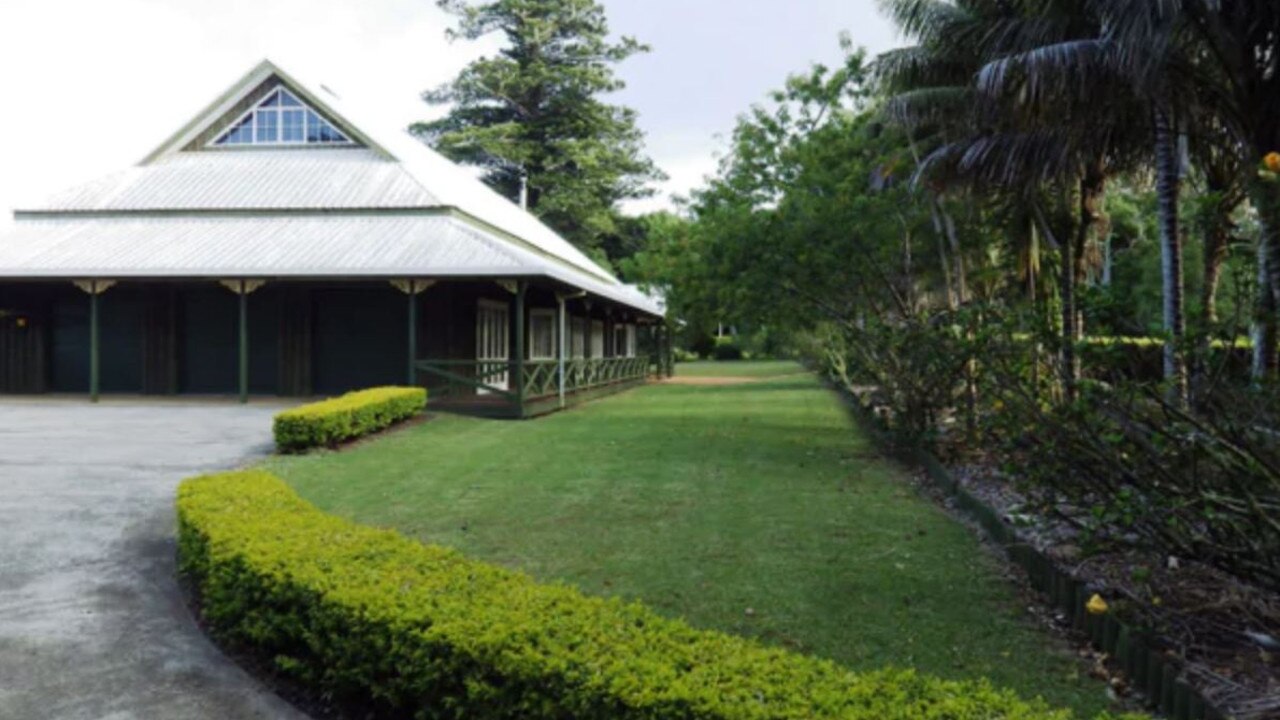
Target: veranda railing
[{"x": 541, "y": 378}]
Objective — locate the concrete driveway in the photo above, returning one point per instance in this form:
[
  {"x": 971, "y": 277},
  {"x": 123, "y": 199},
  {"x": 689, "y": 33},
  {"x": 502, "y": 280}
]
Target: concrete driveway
[{"x": 91, "y": 621}]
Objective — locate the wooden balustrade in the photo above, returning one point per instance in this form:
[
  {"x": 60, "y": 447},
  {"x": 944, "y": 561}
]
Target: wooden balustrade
[{"x": 541, "y": 378}]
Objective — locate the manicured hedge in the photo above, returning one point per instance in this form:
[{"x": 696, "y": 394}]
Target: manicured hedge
[
  {"x": 349, "y": 416},
  {"x": 366, "y": 615}
]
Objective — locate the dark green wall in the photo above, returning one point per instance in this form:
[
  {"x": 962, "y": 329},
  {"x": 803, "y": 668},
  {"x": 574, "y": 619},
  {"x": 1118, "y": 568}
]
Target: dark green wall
[
  {"x": 69, "y": 337},
  {"x": 360, "y": 338},
  {"x": 305, "y": 338},
  {"x": 208, "y": 326}
]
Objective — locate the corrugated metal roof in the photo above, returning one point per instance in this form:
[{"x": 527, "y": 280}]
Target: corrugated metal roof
[
  {"x": 217, "y": 246},
  {"x": 266, "y": 245},
  {"x": 253, "y": 178},
  {"x": 199, "y": 235}
]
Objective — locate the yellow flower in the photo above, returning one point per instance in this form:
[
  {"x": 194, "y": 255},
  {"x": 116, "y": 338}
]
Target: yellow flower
[
  {"x": 1096, "y": 605},
  {"x": 1272, "y": 161}
]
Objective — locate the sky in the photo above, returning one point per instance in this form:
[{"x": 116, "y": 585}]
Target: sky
[{"x": 92, "y": 86}]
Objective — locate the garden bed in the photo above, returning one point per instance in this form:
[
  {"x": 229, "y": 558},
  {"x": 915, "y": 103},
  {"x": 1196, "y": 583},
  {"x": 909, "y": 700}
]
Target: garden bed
[
  {"x": 1213, "y": 631},
  {"x": 1216, "y": 626}
]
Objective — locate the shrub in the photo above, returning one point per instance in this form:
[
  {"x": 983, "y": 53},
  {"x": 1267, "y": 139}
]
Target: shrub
[
  {"x": 365, "y": 615},
  {"x": 727, "y": 349},
  {"x": 1150, "y": 473},
  {"x": 353, "y": 415}
]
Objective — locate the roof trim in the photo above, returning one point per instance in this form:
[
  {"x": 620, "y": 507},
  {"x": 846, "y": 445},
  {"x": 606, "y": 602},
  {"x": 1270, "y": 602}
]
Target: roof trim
[
  {"x": 437, "y": 211},
  {"x": 459, "y": 274}
]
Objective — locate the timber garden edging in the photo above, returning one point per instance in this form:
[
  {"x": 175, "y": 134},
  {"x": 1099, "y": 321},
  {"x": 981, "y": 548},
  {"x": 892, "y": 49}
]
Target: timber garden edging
[{"x": 1130, "y": 648}]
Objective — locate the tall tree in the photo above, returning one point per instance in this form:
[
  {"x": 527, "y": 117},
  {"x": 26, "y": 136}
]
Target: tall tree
[
  {"x": 1237, "y": 43},
  {"x": 997, "y": 129},
  {"x": 534, "y": 118}
]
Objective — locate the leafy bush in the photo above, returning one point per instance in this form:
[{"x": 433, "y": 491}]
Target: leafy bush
[
  {"x": 684, "y": 355},
  {"x": 1202, "y": 484},
  {"x": 353, "y": 415},
  {"x": 365, "y": 615},
  {"x": 727, "y": 349},
  {"x": 915, "y": 367},
  {"x": 701, "y": 344}
]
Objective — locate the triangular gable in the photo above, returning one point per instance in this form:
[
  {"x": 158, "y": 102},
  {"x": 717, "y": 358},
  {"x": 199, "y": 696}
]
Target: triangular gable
[
  {"x": 279, "y": 119},
  {"x": 239, "y": 102}
]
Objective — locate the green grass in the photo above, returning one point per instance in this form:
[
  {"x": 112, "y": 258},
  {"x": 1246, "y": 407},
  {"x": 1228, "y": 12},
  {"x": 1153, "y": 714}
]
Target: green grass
[
  {"x": 756, "y": 509},
  {"x": 738, "y": 368}
]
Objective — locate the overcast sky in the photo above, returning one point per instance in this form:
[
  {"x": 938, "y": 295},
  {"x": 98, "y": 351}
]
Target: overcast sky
[{"x": 91, "y": 86}]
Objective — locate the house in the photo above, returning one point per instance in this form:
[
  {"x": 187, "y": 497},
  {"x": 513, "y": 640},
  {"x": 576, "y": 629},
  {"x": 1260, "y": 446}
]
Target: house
[{"x": 285, "y": 243}]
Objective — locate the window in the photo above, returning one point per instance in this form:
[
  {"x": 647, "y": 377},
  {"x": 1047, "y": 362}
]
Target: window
[
  {"x": 624, "y": 341},
  {"x": 542, "y": 334},
  {"x": 281, "y": 119},
  {"x": 597, "y": 338},
  {"x": 577, "y": 338},
  {"x": 629, "y": 331}
]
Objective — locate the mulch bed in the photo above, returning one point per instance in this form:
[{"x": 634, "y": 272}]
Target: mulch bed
[{"x": 1225, "y": 633}]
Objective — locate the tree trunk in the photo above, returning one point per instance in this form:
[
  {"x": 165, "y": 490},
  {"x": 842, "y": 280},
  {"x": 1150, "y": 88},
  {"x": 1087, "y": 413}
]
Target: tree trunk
[
  {"x": 908, "y": 279},
  {"x": 1093, "y": 186},
  {"x": 1266, "y": 201},
  {"x": 1069, "y": 369},
  {"x": 942, "y": 257},
  {"x": 948, "y": 227},
  {"x": 1107, "y": 261},
  {"x": 1168, "y": 184},
  {"x": 1217, "y": 239},
  {"x": 1067, "y": 296},
  {"x": 1067, "y": 291},
  {"x": 1263, "y": 332}
]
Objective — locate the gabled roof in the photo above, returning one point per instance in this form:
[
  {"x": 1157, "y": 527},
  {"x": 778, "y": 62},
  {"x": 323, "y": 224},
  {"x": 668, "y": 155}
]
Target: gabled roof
[
  {"x": 252, "y": 179},
  {"x": 388, "y": 185}
]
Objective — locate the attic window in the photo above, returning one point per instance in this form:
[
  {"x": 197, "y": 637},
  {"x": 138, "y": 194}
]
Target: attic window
[{"x": 281, "y": 119}]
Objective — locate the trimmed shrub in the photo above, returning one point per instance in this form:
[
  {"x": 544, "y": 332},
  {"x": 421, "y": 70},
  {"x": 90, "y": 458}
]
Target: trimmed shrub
[
  {"x": 329, "y": 422},
  {"x": 366, "y": 615}
]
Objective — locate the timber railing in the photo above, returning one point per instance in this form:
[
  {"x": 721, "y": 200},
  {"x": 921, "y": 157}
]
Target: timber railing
[{"x": 541, "y": 378}]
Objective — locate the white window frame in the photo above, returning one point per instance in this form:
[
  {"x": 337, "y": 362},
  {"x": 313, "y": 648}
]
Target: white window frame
[
  {"x": 549, "y": 316},
  {"x": 493, "y": 341},
  {"x": 619, "y": 340},
  {"x": 629, "y": 345},
  {"x": 307, "y": 111}
]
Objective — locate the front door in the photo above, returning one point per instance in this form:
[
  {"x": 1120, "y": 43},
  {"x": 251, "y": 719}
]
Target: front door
[{"x": 492, "y": 336}]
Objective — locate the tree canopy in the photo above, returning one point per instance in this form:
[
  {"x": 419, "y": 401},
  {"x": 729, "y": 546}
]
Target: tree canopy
[{"x": 537, "y": 111}]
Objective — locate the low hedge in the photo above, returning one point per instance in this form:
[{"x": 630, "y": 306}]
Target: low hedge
[
  {"x": 349, "y": 416},
  {"x": 367, "y": 616}
]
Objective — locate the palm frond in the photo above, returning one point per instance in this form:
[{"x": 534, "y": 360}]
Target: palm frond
[{"x": 929, "y": 106}]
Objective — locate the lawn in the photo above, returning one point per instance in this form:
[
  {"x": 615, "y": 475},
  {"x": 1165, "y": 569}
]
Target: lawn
[
  {"x": 737, "y": 368},
  {"x": 754, "y": 508}
]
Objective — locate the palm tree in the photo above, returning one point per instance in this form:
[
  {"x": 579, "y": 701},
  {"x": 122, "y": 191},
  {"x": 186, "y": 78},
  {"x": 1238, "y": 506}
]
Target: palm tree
[
  {"x": 1098, "y": 70},
  {"x": 1218, "y": 160},
  {"x": 993, "y": 137},
  {"x": 1235, "y": 45}
]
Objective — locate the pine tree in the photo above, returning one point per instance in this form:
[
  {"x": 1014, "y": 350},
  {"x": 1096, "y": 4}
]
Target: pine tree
[{"x": 535, "y": 112}]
